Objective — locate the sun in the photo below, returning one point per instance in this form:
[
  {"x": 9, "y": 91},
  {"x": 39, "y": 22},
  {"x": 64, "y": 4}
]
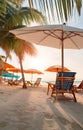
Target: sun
[
  {"x": 34, "y": 63},
  {"x": 37, "y": 63}
]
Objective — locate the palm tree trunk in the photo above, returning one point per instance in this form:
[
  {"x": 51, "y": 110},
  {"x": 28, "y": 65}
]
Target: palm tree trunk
[
  {"x": 23, "y": 78},
  {"x": 6, "y": 59},
  {"x": 5, "y": 62},
  {"x": 2, "y": 62}
]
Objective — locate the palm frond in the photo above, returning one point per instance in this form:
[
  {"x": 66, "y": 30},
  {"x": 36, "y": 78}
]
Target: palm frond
[
  {"x": 24, "y": 47},
  {"x": 63, "y": 9},
  {"x": 22, "y": 16},
  {"x": 3, "y": 5}
]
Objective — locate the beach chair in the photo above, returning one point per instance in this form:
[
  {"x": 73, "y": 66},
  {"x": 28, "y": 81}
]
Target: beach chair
[
  {"x": 28, "y": 83},
  {"x": 64, "y": 84},
  {"x": 16, "y": 82},
  {"x": 35, "y": 84},
  {"x": 79, "y": 88},
  {"x": 13, "y": 82},
  {"x": 10, "y": 82}
]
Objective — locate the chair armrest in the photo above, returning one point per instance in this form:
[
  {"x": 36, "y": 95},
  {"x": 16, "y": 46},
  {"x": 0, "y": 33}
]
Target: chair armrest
[
  {"x": 29, "y": 83},
  {"x": 49, "y": 83},
  {"x": 50, "y": 86}
]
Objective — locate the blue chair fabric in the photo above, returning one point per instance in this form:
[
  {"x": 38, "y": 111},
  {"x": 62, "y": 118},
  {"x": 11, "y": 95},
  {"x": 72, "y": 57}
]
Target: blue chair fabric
[{"x": 67, "y": 84}]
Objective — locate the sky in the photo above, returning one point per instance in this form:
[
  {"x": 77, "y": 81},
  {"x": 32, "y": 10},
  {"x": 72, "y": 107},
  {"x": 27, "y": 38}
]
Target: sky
[{"x": 46, "y": 57}]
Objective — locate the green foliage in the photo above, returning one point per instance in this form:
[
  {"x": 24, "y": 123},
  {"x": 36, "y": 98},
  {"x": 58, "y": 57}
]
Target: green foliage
[
  {"x": 14, "y": 17},
  {"x": 2, "y": 8}
]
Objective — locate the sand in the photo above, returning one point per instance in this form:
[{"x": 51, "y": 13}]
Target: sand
[{"x": 32, "y": 109}]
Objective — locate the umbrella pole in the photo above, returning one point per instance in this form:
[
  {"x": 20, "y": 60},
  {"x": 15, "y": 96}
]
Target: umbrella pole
[
  {"x": 31, "y": 77},
  {"x": 62, "y": 53}
]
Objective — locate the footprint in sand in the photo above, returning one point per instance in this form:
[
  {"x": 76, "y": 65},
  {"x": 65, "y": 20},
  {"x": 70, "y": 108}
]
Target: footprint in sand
[
  {"x": 48, "y": 116},
  {"x": 3, "y": 124},
  {"x": 49, "y": 122}
]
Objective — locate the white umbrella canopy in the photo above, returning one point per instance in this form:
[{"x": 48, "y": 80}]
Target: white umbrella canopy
[{"x": 56, "y": 36}]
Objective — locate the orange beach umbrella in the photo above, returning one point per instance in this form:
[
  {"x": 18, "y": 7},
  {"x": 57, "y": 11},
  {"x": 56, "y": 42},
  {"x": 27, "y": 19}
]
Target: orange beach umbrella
[
  {"x": 32, "y": 71},
  {"x": 5, "y": 65},
  {"x": 15, "y": 70},
  {"x": 56, "y": 68}
]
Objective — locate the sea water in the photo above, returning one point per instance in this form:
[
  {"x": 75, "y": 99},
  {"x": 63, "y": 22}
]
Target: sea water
[{"x": 76, "y": 82}]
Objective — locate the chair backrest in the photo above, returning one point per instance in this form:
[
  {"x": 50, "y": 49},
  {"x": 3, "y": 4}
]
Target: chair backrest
[
  {"x": 65, "y": 80},
  {"x": 80, "y": 85}
]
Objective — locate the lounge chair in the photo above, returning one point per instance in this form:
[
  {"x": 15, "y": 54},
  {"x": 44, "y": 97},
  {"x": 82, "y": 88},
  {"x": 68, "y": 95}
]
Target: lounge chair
[
  {"x": 64, "y": 84},
  {"x": 28, "y": 83},
  {"x": 10, "y": 82},
  {"x": 35, "y": 84},
  {"x": 79, "y": 88},
  {"x": 13, "y": 82}
]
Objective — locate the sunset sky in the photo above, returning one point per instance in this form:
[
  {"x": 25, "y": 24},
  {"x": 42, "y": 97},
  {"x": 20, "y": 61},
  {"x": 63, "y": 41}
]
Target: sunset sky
[{"x": 73, "y": 59}]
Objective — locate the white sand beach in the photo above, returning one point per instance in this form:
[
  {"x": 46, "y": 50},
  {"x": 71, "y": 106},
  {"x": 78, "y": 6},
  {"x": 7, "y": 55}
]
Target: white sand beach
[{"x": 32, "y": 109}]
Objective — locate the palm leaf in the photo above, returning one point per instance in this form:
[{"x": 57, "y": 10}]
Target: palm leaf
[
  {"x": 24, "y": 15},
  {"x": 63, "y": 9},
  {"x": 24, "y": 47}
]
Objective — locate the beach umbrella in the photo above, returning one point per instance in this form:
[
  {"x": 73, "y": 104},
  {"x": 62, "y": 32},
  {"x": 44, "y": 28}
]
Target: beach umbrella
[
  {"x": 56, "y": 36},
  {"x": 56, "y": 68},
  {"x": 5, "y": 65},
  {"x": 9, "y": 75},
  {"x": 14, "y": 70},
  {"x": 32, "y": 71}
]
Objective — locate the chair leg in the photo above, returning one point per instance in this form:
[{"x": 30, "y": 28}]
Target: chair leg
[
  {"x": 56, "y": 96},
  {"x": 74, "y": 96},
  {"x": 48, "y": 89},
  {"x": 52, "y": 92}
]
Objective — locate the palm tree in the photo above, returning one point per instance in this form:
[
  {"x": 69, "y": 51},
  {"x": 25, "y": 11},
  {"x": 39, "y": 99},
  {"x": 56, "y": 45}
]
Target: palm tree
[
  {"x": 64, "y": 9},
  {"x": 14, "y": 17},
  {"x": 1, "y": 64},
  {"x": 24, "y": 47},
  {"x": 11, "y": 19}
]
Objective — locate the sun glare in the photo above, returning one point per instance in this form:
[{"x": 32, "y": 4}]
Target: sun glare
[{"x": 37, "y": 63}]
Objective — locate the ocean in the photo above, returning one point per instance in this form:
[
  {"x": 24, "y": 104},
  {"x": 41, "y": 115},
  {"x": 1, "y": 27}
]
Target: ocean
[{"x": 76, "y": 82}]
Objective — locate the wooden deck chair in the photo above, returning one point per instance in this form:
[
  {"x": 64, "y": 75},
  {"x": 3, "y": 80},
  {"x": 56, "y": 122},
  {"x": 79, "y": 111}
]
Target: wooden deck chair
[
  {"x": 16, "y": 82},
  {"x": 79, "y": 88},
  {"x": 37, "y": 82},
  {"x": 28, "y": 83},
  {"x": 10, "y": 82},
  {"x": 64, "y": 84}
]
